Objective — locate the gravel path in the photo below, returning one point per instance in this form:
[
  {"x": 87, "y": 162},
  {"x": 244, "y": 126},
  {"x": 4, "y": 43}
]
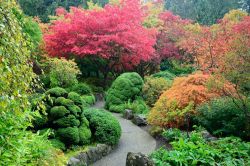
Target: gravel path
[{"x": 133, "y": 139}]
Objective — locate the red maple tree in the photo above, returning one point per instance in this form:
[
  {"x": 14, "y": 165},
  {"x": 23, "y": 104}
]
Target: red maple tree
[{"x": 114, "y": 33}]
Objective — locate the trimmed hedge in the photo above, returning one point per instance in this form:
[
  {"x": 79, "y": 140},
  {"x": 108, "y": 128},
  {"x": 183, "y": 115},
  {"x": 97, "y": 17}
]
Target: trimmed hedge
[
  {"x": 64, "y": 115},
  {"x": 126, "y": 87},
  {"x": 104, "y": 126}
]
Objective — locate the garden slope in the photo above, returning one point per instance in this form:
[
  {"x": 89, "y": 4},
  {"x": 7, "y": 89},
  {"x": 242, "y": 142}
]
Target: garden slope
[{"x": 133, "y": 139}]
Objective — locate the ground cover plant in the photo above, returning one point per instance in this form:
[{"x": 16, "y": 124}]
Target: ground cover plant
[{"x": 195, "y": 150}]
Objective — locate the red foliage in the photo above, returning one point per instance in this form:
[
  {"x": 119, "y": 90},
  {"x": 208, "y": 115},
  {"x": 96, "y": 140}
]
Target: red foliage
[
  {"x": 114, "y": 33},
  {"x": 170, "y": 33}
]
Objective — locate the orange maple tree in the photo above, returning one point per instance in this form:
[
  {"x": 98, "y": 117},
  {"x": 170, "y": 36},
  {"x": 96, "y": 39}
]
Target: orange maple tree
[{"x": 183, "y": 97}]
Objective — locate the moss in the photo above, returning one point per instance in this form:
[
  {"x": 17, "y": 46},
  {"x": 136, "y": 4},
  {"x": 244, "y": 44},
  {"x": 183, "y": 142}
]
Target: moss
[
  {"x": 84, "y": 135},
  {"x": 75, "y": 97},
  {"x": 58, "y": 112},
  {"x": 68, "y": 121},
  {"x": 75, "y": 110},
  {"x": 57, "y": 92},
  {"x": 58, "y": 144},
  {"x": 69, "y": 135},
  {"x": 64, "y": 102},
  {"x": 89, "y": 99}
]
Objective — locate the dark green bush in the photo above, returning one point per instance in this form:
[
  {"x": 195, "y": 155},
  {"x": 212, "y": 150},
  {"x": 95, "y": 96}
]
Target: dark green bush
[
  {"x": 58, "y": 112},
  {"x": 89, "y": 99},
  {"x": 57, "y": 92},
  {"x": 69, "y": 135},
  {"x": 126, "y": 87},
  {"x": 82, "y": 89},
  {"x": 138, "y": 106},
  {"x": 84, "y": 135},
  {"x": 64, "y": 114},
  {"x": 75, "y": 97},
  {"x": 165, "y": 74},
  {"x": 197, "y": 151},
  {"x": 105, "y": 127},
  {"x": 177, "y": 67},
  {"x": 67, "y": 121},
  {"x": 58, "y": 144},
  {"x": 63, "y": 101},
  {"x": 224, "y": 117},
  {"x": 75, "y": 110}
]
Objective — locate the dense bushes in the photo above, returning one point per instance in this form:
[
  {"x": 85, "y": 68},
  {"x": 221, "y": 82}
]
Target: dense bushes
[
  {"x": 182, "y": 99},
  {"x": 224, "y": 117},
  {"x": 18, "y": 146},
  {"x": 153, "y": 88},
  {"x": 197, "y": 151},
  {"x": 59, "y": 72},
  {"x": 82, "y": 89},
  {"x": 105, "y": 127},
  {"x": 126, "y": 87},
  {"x": 64, "y": 116}
]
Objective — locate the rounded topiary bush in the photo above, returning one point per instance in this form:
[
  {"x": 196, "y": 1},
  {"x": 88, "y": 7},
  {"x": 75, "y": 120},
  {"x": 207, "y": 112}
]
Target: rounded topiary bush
[
  {"x": 104, "y": 126},
  {"x": 186, "y": 94},
  {"x": 64, "y": 116},
  {"x": 224, "y": 117},
  {"x": 126, "y": 87}
]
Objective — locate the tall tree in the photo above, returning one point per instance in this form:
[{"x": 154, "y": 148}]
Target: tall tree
[
  {"x": 114, "y": 34},
  {"x": 44, "y": 8},
  {"x": 203, "y": 11}
]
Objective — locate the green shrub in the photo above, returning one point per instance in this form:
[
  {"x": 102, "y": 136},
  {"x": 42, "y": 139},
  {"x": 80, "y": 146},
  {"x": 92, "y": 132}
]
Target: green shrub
[
  {"x": 177, "y": 67},
  {"x": 58, "y": 144},
  {"x": 18, "y": 146},
  {"x": 60, "y": 72},
  {"x": 89, "y": 99},
  {"x": 196, "y": 151},
  {"x": 165, "y": 74},
  {"x": 153, "y": 88},
  {"x": 75, "y": 110},
  {"x": 224, "y": 117},
  {"x": 69, "y": 135},
  {"x": 126, "y": 87},
  {"x": 65, "y": 116},
  {"x": 82, "y": 89},
  {"x": 58, "y": 112},
  {"x": 105, "y": 127},
  {"x": 67, "y": 121},
  {"x": 63, "y": 101},
  {"x": 138, "y": 106},
  {"x": 76, "y": 98},
  {"x": 57, "y": 92},
  {"x": 84, "y": 135}
]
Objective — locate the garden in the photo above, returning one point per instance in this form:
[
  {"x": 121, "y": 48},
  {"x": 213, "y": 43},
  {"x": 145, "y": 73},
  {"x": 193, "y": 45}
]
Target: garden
[{"x": 80, "y": 80}]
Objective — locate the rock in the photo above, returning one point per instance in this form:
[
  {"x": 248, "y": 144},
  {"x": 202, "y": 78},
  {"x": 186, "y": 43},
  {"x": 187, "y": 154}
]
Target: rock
[
  {"x": 140, "y": 120},
  {"x": 128, "y": 114},
  {"x": 138, "y": 159},
  {"x": 207, "y": 136},
  {"x": 74, "y": 162}
]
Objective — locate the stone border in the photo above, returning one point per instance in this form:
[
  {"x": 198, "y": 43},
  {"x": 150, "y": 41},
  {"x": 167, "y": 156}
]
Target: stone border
[{"x": 92, "y": 155}]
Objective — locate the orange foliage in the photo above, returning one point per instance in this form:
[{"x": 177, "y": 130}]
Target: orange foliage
[{"x": 183, "y": 97}]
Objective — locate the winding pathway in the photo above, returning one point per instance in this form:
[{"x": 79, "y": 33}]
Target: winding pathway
[{"x": 133, "y": 139}]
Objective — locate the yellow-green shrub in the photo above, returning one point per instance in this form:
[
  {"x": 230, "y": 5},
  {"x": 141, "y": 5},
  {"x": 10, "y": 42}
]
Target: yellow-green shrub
[{"x": 153, "y": 88}]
